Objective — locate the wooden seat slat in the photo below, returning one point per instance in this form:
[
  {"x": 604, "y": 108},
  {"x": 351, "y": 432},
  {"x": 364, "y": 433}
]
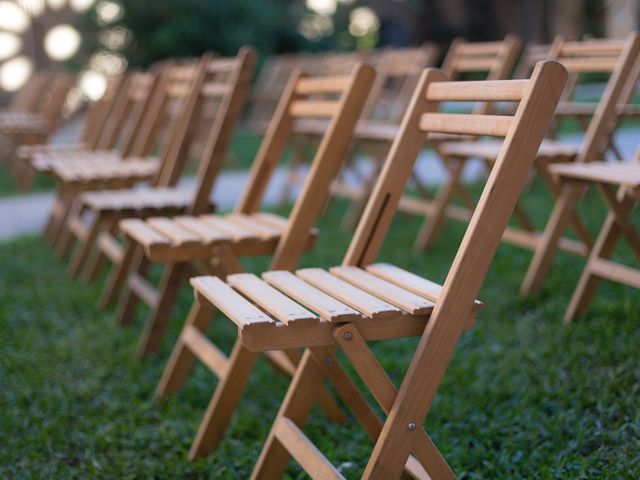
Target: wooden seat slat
[
  {"x": 229, "y": 302},
  {"x": 176, "y": 232},
  {"x": 206, "y": 232},
  {"x": 142, "y": 233},
  {"x": 258, "y": 228},
  {"x": 628, "y": 175},
  {"x": 410, "y": 281},
  {"x": 356, "y": 298},
  {"x": 275, "y": 303},
  {"x": 271, "y": 219},
  {"x": 389, "y": 292},
  {"x": 324, "y": 305},
  {"x": 236, "y": 232}
]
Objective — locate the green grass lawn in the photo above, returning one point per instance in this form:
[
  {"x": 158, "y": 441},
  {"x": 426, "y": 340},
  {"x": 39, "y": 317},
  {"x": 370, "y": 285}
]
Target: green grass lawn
[{"x": 524, "y": 397}]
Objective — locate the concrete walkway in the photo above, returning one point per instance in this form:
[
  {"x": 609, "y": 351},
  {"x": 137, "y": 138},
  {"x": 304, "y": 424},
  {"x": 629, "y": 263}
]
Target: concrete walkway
[{"x": 22, "y": 215}]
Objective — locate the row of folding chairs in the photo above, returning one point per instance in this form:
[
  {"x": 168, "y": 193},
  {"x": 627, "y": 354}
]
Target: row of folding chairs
[
  {"x": 34, "y": 113},
  {"x": 299, "y": 318}
]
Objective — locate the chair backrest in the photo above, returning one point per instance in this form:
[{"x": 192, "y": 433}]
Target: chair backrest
[
  {"x": 531, "y": 55},
  {"x": 523, "y": 132},
  {"x": 219, "y": 100},
  {"x": 126, "y": 117},
  {"x": 53, "y": 99},
  {"x": 492, "y": 60},
  {"x": 98, "y": 113},
  {"x": 268, "y": 88},
  {"x": 28, "y": 97},
  {"x": 340, "y": 101},
  {"x": 614, "y": 57},
  {"x": 398, "y": 71},
  {"x": 169, "y": 108}
]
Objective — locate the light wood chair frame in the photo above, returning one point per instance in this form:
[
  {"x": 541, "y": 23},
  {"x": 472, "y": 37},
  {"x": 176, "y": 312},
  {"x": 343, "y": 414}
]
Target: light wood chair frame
[
  {"x": 29, "y": 127},
  {"x": 299, "y": 100},
  {"x": 122, "y": 138},
  {"x": 601, "y": 128},
  {"x": 222, "y": 82},
  {"x": 354, "y": 304},
  {"x": 615, "y": 57},
  {"x": 606, "y": 177},
  {"x": 29, "y": 159},
  {"x": 493, "y": 59}
]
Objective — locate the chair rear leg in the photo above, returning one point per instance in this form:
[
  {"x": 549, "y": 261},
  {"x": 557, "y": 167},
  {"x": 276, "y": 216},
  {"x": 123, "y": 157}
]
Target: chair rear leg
[
  {"x": 325, "y": 399},
  {"x": 158, "y": 319},
  {"x": 548, "y": 245},
  {"x": 119, "y": 273},
  {"x": 64, "y": 197},
  {"x": 63, "y": 235},
  {"x": 588, "y": 283},
  {"x": 296, "y": 407},
  {"x": 86, "y": 242},
  {"x": 95, "y": 263},
  {"x": 128, "y": 299},
  {"x": 224, "y": 401},
  {"x": 181, "y": 360}
]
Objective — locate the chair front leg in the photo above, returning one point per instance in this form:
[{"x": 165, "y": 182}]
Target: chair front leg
[
  {"x": 181, "y": 360},
  {"x": 224, "y": 401}
]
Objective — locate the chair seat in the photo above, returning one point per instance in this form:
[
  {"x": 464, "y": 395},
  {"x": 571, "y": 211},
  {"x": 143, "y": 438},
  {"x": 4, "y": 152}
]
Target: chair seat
[
  {"x": 186, "y": 238},
  {"x": 104, "y": 170},
  {"x": 24, "y": 122},
  {"x": 44, "y": 160},
  {"x": 28, "y": 151},
  {"x": 138, "y": 200},
  {"x": 588, "y": 109},
  {"x": 285, "y": 310},
  {"x": 620, "y": 174},
  {"x": 489, "y": 149}
]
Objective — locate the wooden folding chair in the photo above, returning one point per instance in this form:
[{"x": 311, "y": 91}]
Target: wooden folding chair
[
  {"x": 96, "y": 121},
  {"x": 214, "y": 242},
  {"x": 218, "y": 84},
  {"x": 616, "y": 58},
  {"x": 27, "y": 98},
  {"x": 163, "y": 129},
  {"x": 624, "y": 72},
  {"x": 121, "y": 139},
  {"x": 490, "y": 60},
  {"x": 25, "y": 127},
  {"x": 362, "y": 301},
  {"x": 607, "y": 177}
]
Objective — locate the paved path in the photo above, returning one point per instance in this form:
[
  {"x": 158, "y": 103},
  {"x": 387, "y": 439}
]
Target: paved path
[{"x": 26, "y": 214}]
